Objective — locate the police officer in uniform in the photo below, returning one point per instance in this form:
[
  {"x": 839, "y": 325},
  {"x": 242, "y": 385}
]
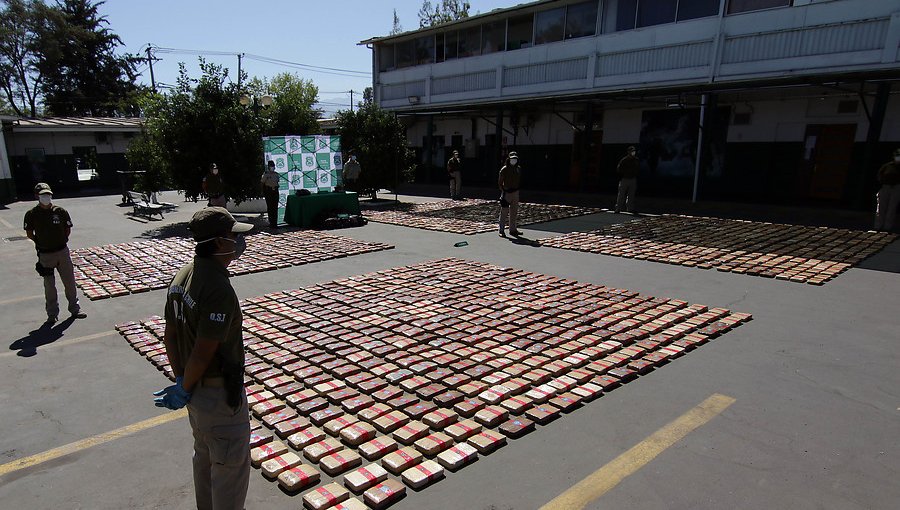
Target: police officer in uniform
[
  {"x": 49, "y": 227},
  {"x": 214, "y": 187},
  {"x": 454, "y": 173},
  {"x": 509, "y": 181},
  {"x": 270, "y": 184},
  {"x": 205, "y": 349},
  {"x": 628, "y": 169}
]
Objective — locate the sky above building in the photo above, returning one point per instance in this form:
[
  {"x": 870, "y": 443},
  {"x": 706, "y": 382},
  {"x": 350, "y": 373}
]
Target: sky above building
[{"x": 316, "y": 40}]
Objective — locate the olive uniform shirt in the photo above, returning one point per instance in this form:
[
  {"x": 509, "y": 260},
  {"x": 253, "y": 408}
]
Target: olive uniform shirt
[
  {"x": 889, "y": 174},
  {"x": 628, "y": 167},
  {"x": 202, "y": 303},
  {"x": 214, "y": 185},
  {"x": 49, "y": 227}
]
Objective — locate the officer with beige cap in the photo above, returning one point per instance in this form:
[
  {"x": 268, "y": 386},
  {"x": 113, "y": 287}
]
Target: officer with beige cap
[{"x": 49, "y": 226}]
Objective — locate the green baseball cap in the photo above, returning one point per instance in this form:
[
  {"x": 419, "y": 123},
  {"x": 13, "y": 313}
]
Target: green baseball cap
[
  {"x": 42, "y": 188},
  {"x": 214, "y": 221}
]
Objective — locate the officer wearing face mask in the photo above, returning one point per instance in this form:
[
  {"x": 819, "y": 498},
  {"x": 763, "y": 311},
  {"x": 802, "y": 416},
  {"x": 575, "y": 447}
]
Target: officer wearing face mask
[
  {"x": 889, "y": 194},
  {"x": 350, "y": 173},
  {"x": 49, "y": 227},
  {"x": 214, "y": 187},
  {"x": 205, "y": 349}
]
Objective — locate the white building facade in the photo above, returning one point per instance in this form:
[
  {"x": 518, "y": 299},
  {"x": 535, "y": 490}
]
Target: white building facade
[{"x": 778, "y": 101}]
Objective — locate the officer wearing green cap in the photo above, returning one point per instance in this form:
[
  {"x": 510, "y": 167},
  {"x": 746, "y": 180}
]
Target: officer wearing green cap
[
  {"x": 206, "y": 351},
  {"x": 49, "y": 227}
]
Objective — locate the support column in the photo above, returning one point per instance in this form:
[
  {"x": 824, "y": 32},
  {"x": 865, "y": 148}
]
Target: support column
[
  {"x": 587, "y": 138},
  {"x": 876, "y": 122},
  {"x": 429, "y": 142},
  {"x": 698, "y": 161},
  {"x": 7, "y": 186},
  {"x": 498, "y": 145}
]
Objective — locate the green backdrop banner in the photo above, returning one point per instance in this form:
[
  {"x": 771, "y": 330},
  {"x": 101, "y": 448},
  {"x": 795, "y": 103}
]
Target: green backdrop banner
[{"x": 312, "y": 162}]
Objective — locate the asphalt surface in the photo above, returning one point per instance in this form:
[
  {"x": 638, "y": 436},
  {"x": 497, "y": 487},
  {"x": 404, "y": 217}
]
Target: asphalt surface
[{"x": 815, "y": 423}]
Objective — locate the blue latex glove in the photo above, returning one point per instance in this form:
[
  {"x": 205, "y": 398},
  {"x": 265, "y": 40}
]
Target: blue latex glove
[{"x": 172, "y": 397}]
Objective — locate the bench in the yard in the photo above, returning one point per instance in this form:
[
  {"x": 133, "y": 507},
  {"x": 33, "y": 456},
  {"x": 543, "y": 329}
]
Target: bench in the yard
[{"x": 143, "y": 206}]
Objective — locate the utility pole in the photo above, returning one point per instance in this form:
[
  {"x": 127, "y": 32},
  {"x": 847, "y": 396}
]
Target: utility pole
[
  {"x": 239, "y": 56},
  {"x": 150, "y": 61},
  {"x": 351, "y": 100}
]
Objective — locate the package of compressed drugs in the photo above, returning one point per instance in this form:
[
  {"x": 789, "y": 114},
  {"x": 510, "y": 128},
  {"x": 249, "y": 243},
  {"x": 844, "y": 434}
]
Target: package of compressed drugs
[
  {"x": 339, "y": 462},
  {"x": 285, "y": 414},
  {"x": 325, "y": 497},
  {"x": 267, "y": 407},
  {"x": 378, "y": 447},
  {"x": 362, "y": 478},
  {"x": 335, "y": 426},
  {"x": 374, "y": 411},
  {"x": 390, "y": 422},
  {"x": 316, "y": 451},
  {"x": 298, "y": 477},
  {"x": 288, "y": 427},
  {"x": 267, "y": 451},
  {"x": 350, "y": 504},
  {"x": 260, "y": 437},
  {"x": 487, "y": 441},
  {"x": 440, "y": 418},
  {"x": 457, "y": 456},
  {"x": 411, "y": 432},
  {"x": 423, "y": 474},
  {"x": 275, "y": 466},
  {"x": 463, "y": 429},
  {"x": 357, "y": 433},
  {"x": 517, "y": 405},
  {"x": 320, "y": 417},
  {"x": 384, "y": 494},
  {"x": 491, "y": 416},
  {"x": 398, "y": 461},
  {"x": 434, "y": 444},
  {"x": 305, "y": 437},
  {"x": 517, "y": 427},
  {"x": 543, "y": 414}
]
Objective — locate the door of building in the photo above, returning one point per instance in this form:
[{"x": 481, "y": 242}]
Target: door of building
[{"x": 828, "y": 153}]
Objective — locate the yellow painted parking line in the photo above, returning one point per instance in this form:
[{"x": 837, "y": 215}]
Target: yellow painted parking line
[
  {"x": 40, "y": 458},
  {"x": 20, "y": 299},
  {"x": 64, "y": 343},
  {"x": 601, "y": 481}
]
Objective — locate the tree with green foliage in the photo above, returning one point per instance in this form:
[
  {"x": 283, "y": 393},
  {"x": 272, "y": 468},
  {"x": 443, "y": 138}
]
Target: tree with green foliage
[
  {"x": 60, "y": 60},
  {"x": 379, "y": 142},
  {"x": 20, "y": 75},
  {"x": 291, "y": 111},
  {"x": 82, "y": 74},
  {"x": 396, "y": 28},
  {"x": 442, "y": 12},
  {"x": 201, "y": 121}
]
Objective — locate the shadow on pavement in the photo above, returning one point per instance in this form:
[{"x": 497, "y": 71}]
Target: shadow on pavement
[{"x": 46, "y": 334}]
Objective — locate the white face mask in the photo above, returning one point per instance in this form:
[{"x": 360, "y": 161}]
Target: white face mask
[
  {"x": 215, "y": 171},
  {"x": 896, "y": 159},
  {"x": 45, "y": 199},
  {"x": 513, "y": 161}
]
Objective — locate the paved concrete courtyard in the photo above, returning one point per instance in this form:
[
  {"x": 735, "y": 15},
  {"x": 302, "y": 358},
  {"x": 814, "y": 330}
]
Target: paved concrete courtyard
[{"x": 798, "y": 406}]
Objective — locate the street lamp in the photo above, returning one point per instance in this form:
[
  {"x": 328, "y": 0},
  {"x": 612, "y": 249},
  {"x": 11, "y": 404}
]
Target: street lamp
[{"x": 256, "y": 102}]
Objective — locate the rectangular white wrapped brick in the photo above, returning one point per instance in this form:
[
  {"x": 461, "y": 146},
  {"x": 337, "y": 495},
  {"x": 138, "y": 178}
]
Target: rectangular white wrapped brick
[
  {"x": 420, "y": 475},
  {"x": 457, "y": 456},
  {"x": 361, "y": 479}
]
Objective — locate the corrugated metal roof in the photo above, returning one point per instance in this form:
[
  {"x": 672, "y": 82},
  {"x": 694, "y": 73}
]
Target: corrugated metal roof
[{"x": 78, "y": 124}]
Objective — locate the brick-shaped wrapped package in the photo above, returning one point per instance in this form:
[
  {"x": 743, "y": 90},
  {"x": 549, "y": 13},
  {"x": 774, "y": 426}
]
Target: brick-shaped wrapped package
[
  {"x": 378, "y": 447},
  {"x": 298, "y": 477},
  {"x": 260, "y": 437},
  {"x": 311, "y": 406},
  {"x": 517, "y": 427},
  {"x": 423, "y": 474},
  {"x": 517, "y": 405},
  {"x": 267, "y": 451},
  {"x": 384, "y": 494},
  {"x": 357, "y": 433},
  {"x": 374, "y": 411},
  {"x": 411, "y": 432},
  {"x": 305, "y": 437},
  {"x": 325, "y": 497},
  {"x": 287, "y": 428},
  {"x": 440, "y": 418},
  {"x": 417, "y": 411},
  {"x": 457, "y": 456},
  {"x": 487, "y": 441},
  {"x": 402, "y": 459},
  {"x": 261, "y": 396},
  {"x": 295, "y": 399},
  {"x": 352, "y": 405},
  {"x": 335, "y": 426},
  {"x": 588, "y": 391},
  {"x": 285, "y": 414},
  {"x": 390, "y": 422},
  {"x": 491, "y": 416},
  {"x": 275, "y": 466},
  {"x": 448, "y": 398},
  {"x": 469, "y": 407},
  {"x": 566, "y": 402},
  {"x": 434, "y": 444},
  {"x": 316, "y": 451},
  {"x": 362, "y": 478},
  {"x": 267, "y": 407},
  {"x": 543, "y": 414},
  {"x": 339, "y": 462},
  {"x": 320, "y": 417},
  {"x": 463, "y": 429},
  {"x": 350, "y": 504}
]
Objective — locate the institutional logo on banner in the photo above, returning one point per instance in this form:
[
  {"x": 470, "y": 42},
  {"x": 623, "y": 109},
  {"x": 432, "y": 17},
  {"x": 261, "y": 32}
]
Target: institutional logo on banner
[
  {"x": 337, "y": 161},
  {"x": 281, "y": 162},
  {"x": 323, "y": 143},
  {"x": 323, "y": 160},
  {"x": 324, "y": 178},
  {"x": 295, "y": 180},
  {"x": 309, "y": 161}
]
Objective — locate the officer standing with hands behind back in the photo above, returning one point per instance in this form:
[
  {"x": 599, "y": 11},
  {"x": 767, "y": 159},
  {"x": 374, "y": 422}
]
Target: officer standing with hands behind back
[
  {"x": 49, "y": 227},
  {"x": 270, "y": 184},
  {"x": 205, "y": 348}
]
